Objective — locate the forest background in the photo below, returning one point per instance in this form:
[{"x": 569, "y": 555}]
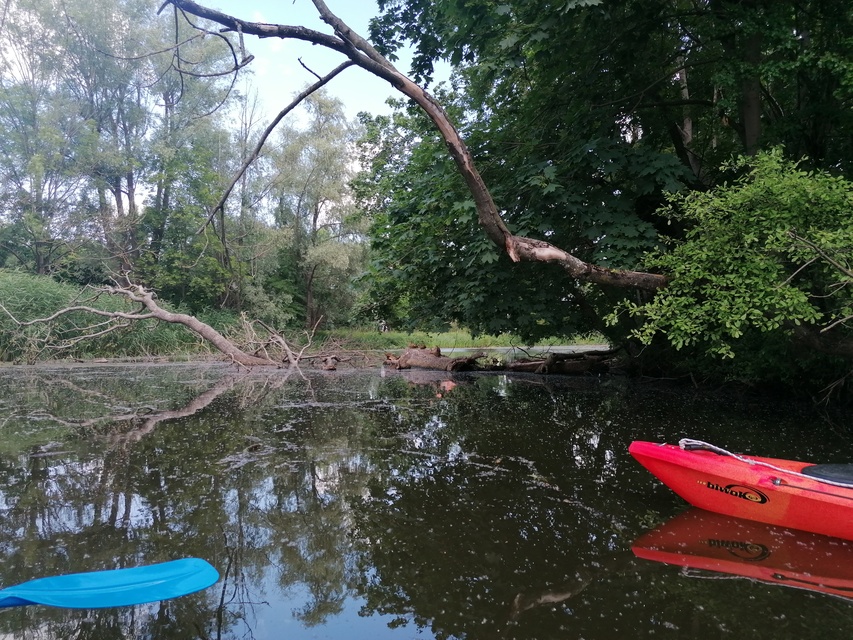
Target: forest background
[{"x": 703, "y": 146}]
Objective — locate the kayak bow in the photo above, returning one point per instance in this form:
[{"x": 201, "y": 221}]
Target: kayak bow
[{"x": 799, "y": 495}]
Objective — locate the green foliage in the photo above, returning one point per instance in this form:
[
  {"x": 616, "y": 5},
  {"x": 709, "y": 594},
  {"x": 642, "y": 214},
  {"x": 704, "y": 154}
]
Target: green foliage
[
  {"x": 587, "y": 179},
  {"x": 93, "y": 121},
  {"x": 325, "y": 249},
  {"x": 25, "y": 296},
  {"x": 584, "y": 119},
  {"x": 431, "y": 263},
  {"x": 187, "y": 272},
  {"x": 762, "y": 255},
  {"x": 643, "y": 68},
  {"x": 366, "y": 339}
]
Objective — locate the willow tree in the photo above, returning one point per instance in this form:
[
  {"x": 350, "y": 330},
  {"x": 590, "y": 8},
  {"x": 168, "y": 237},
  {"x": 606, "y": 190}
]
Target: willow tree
[
  {"x": 313, "y": 167},
  {"x": 44, "y": 137},
  {"x": 94, "y": 123}
]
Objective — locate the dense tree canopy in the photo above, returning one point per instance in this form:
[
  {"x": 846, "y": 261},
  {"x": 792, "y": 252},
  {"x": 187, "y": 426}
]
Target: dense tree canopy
[
  {"x": 583, "y": 117},
  {"x": 590, "y": 169},
  {"x": 120, "y": 141}
]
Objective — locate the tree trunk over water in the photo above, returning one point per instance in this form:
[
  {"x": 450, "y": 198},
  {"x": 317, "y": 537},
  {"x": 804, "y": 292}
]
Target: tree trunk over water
[{"x": 362, "y": 53}]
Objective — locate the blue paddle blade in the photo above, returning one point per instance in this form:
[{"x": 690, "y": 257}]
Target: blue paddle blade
[{"x": 115, "y": 588}]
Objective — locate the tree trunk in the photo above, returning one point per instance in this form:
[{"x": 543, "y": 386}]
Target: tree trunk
[
  {"x": 746, "y": 49},
  {"x": 750, "y": 98},
  {"x": 208, "y": 333},
  {"x": 311, "y": 317},
  {"x": 153, "y": 311}
]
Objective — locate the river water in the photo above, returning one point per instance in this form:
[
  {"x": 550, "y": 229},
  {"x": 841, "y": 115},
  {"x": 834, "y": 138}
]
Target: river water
[{"x": 384, "y": 505}]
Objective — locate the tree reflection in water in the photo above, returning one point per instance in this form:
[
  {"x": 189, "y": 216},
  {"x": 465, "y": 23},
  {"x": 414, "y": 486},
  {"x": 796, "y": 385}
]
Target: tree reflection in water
[{"x": 364, "y": 504}]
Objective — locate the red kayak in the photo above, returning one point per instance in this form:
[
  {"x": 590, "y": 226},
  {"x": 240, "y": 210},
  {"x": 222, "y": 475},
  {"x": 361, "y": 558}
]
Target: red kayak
[
  {"x": 775, "y": 555},
  {"x": 799, "y": 495}
]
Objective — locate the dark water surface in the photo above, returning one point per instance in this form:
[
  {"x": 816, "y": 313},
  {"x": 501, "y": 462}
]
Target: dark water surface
[{"x": 386, "y": 505}]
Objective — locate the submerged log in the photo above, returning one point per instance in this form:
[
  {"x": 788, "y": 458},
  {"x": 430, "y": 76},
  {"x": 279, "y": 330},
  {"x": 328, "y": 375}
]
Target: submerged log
[{"x": 562, "y": 363}]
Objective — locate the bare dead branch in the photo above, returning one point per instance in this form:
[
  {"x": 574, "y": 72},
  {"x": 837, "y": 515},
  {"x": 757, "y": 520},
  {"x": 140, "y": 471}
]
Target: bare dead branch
[
  {"x": 149, "y": 310},
  {"x": 309, "y": 69},
  {"x": 70, "y": 342},
  {"x": 839, "y": 321},
  {"x": 823, "y": 254},
  {"x": 363, "y": 54},
  {"x": 85, "y": 309},
  {"x": 794, "y": 275},
  {"x": 266, "y": 134}
]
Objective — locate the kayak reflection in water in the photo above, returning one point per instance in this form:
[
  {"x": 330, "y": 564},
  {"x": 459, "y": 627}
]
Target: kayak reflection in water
[
  {"x": 708, "y": 544},
  {"x": 706, "y": 541}
]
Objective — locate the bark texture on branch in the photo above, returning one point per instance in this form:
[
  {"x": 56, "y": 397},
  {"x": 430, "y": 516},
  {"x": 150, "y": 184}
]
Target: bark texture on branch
[
  {"x": 363, "y": 54},
  {"x": 146, "y": 298},
  {"x": 150, "y": 310},
  {"x": 563, "y": 364}
]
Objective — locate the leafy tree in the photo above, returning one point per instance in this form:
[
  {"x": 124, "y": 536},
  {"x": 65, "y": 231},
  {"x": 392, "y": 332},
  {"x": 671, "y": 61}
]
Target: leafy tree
[
  {"x": 584, "y": 117},
  {"x": 185, "y": 266},
  {"x": 764, "y": 264},
  {"x": 313, "y": 166},
  {"x": 187, "y": 165},
  {"x": 84, "y": 139},
  {"x": 678, "y": 72},
  {"x": 429, "y": 252},
  {"x": 44, "y": 140}
]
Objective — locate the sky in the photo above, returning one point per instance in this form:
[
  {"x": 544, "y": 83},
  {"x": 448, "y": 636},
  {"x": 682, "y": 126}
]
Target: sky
[{"x": 277, "y": 74}]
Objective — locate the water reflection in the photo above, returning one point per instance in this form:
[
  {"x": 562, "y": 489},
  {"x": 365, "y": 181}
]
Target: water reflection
[
  {"x": 371, "y": 505},
  {"x": 709, "y": 542}
]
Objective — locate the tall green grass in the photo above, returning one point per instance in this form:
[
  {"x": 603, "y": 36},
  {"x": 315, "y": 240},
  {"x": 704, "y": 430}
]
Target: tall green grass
[{"x": 27, "y": 297}]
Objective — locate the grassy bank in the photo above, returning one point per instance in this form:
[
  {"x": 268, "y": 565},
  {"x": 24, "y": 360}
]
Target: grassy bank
[
  {"x": 394, "y": 340},
  {"x": 26, "y": 297}
]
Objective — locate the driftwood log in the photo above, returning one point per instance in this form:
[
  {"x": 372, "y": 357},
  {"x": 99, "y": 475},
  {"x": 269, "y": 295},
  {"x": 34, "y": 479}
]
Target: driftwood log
[
  {"x": 564, "y": 363},
  {"x": 593, "y": 362},
  {"x": 424, "y": 358}
]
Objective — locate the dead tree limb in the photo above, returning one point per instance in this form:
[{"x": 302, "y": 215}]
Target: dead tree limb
[
  {"x": 432, "y": 359},
  {"x": 362, "y": 53},
  {"x": 132, "y": 426},
  {"x": 256, "y": 152}
]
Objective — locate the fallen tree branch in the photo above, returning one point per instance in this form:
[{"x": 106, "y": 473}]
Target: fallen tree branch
[
  {"x": 83, "y": 308},
  {"x": 362, "y": 53},
  {"x": 139, "y": 294},
  {"x": 150, "y": 310}
]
